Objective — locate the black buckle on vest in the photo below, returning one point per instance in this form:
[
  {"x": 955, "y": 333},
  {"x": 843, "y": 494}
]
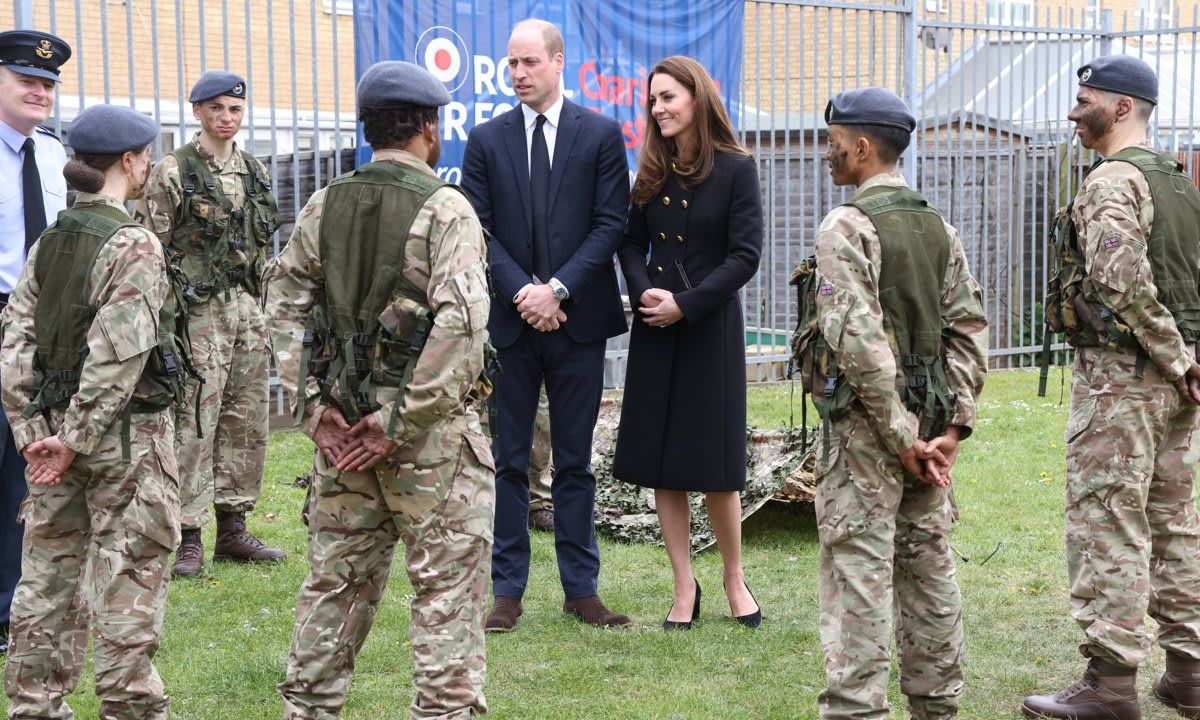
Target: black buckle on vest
[
  {"x": 210, "y": 184},
  {"x": 65, "y": 376},
  {"x": 310, "y": 337},
  {"x": 830, "y": 385},
  {"x": 360, "y": 339},
  {"x": 911, "y": 361},
  {"x": 235, "y": 275},
  {"x": 170, "y": 363},
  {"x": 62, "y": 395},
  {"x": 916, "y": 381},
  {"x": 418, "y": 340},
  {"x": 209, "y": 230}
]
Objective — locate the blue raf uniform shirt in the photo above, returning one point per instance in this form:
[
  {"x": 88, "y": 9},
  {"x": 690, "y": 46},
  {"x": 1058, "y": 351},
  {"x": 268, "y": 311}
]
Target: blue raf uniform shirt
[{"x": 51, "y": 158}]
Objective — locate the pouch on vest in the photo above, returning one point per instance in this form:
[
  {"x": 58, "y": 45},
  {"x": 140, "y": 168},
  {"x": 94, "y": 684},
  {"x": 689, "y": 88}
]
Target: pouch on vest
[
  {"x": 64, "y": 316},
  {"x": 1072, "y": 304}
]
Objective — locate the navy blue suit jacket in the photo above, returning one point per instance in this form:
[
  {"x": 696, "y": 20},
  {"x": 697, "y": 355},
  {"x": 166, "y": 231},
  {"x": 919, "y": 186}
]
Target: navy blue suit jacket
[{"x": 589, "y": 196}]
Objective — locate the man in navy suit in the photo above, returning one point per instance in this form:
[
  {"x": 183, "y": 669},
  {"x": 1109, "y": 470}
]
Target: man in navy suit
[{"x": 550, "y": 182}]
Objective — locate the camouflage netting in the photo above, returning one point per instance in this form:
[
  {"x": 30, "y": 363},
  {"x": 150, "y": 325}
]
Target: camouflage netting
[{"x": 777, "y": 470}]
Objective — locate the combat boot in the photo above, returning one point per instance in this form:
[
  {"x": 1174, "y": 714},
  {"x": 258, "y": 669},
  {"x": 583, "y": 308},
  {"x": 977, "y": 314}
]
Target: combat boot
[
  {"x": 189, "y": 557},
  {"x": 235, "y": 542},
  {"x": 1106, "y": 692},
  {"x": 1179, "y": 686}
]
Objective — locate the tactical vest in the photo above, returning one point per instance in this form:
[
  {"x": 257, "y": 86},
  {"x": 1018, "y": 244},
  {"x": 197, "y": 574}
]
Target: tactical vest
[
  {"x": 1072, "y": 305},
  {"x": 914, "y": 253},
  {"x": 64, "y": 315},
  {"x": 214, "y": 245},
  {"x": 369, "y": 323}
]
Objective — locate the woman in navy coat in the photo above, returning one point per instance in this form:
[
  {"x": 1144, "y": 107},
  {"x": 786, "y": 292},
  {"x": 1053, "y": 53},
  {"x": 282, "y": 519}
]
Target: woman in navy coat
[{"x": 692, "y": 240}]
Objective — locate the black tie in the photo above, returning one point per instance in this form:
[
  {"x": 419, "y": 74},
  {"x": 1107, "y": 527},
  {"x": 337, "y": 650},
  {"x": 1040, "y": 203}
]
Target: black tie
[
  {"x": 539, "y": 192},
  {"x": 31, "y": 192}
]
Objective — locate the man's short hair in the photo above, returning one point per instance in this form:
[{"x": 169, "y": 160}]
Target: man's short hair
[
  {"x": 890, "y": 142},
  {"x": 551, "y": 35},
  {"x": 395, "y": 127}
]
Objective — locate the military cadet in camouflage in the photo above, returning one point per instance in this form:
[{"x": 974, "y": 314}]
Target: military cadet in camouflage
[
  {"x": 1126, "y": 295},
  {"x": 378, "y": 309},
  {"x": 541, "y": 504},
  {"x": 210, "y": 204},
  {"x": 96, "y": 426},
  {"x": 894, "y": 348}
]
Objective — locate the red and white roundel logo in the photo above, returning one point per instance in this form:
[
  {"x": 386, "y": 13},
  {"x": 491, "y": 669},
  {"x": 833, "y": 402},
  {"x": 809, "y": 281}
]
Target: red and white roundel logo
[{"x": 443, "y": 53}]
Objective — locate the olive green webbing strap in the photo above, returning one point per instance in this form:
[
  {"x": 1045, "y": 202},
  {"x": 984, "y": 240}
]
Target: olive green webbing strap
[{"x": 1044, "y": 362}]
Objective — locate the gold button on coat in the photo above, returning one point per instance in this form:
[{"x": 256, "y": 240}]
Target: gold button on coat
[
  {"x": 662, "y": 236},
  {"x": 679, "y": 238},
  {"x": 666, "y": 200},
  {"x": 684, "y": 204},
  {"x": 659, "y": 269}
]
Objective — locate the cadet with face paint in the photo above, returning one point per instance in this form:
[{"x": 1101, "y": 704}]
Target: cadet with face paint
[
  {"x": 895, "y": 357},
  {"x": 210, "y": 204},
  {"x": 1126, "y": 295}
]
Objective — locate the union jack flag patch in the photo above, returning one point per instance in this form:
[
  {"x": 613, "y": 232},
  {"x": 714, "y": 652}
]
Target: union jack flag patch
[
  {"x": 1112, "y": 242},
  {"x": 826, "y": 289}
]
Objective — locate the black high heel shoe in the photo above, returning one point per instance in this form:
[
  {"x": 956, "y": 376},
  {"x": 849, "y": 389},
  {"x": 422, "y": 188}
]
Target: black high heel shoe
[
  {"x": 754, "y": 619},
  {"x": 672, "y": 625}
]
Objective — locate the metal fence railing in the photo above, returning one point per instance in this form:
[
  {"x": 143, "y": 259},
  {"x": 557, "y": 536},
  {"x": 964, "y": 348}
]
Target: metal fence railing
[
  {"x": 990, "y": 81},
  {"x": 991, "y": 84}
]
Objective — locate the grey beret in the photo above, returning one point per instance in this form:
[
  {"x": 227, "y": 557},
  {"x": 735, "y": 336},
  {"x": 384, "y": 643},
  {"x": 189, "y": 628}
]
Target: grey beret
[
  {"x": 869, "y": 106},
  {"x": 218, "y": 82},
  {"x": 110, "y": 130},
  {"x": 391, "y": 83},
  {"x": 1122, "y": 74}
]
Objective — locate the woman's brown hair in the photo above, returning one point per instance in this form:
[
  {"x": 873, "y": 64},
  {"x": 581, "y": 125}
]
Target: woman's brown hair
[{"x": 710, "y": 122}]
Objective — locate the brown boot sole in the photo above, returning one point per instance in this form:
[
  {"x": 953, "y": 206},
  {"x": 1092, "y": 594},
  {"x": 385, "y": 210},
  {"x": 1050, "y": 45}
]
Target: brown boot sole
[
  {"x": 499, "y": 630},
  {"x": 186, "y": 575},
  {"x": 1192, "y": 713}
]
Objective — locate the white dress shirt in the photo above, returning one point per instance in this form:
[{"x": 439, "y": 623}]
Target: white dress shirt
[
  {"x": 549, "y": 129},
  {"x": 51, "y": 158}
]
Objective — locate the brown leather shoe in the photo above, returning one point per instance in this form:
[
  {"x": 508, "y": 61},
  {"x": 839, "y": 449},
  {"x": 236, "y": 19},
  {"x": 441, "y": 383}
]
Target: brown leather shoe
[
  {"x": 592, "y": 611},
  {"x": 189, "y": 556},
  {"x": 541, "y": 519},
  {"x": 1179, "y": 686},
  {"x": 235, "y": 542},
  {"x": 505, "y": 613},
  {"x": 1106, "y": 692}
]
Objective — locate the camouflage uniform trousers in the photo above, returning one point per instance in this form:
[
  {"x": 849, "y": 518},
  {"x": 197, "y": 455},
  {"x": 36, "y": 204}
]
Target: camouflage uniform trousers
[
  {"x": 124, "y": 519},
  {"x": 1133, "y": 534},
  {"x": 223, "y": 464},
  {"x": 540, "y": 475},
  {"x": 885, "y": 560},
  {"x": 442, "y": 511}
]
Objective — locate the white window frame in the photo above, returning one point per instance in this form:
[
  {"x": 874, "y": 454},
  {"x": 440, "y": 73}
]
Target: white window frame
[
  {"x": 343, "y": 7},
  {"x": 1002, "y": 12}
]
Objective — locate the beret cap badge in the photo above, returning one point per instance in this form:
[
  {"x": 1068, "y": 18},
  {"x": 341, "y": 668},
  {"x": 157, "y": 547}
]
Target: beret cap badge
[{"x": 1087, "y": 75}]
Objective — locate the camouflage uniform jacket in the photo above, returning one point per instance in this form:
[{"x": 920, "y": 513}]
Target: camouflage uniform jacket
[
  {"x": 128, "y": 287},
  {"x": 445, "y": 257},
  {"x": 163, "y": 198},
  {"x": 851, "y": 319},
  {"x": 1113, "y": 214}
]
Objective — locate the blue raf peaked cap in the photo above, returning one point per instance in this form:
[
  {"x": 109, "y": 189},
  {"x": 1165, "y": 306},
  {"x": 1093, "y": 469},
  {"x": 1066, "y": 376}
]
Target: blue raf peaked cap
[{"x": 30, "y": 52}]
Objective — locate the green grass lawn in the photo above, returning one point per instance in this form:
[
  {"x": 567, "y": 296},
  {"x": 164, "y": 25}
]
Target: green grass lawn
[{"x": 226, "y": 638}]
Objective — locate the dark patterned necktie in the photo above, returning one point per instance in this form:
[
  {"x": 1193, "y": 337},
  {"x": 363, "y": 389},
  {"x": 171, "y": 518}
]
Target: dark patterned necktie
[{"x": 31, "y": 193}]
